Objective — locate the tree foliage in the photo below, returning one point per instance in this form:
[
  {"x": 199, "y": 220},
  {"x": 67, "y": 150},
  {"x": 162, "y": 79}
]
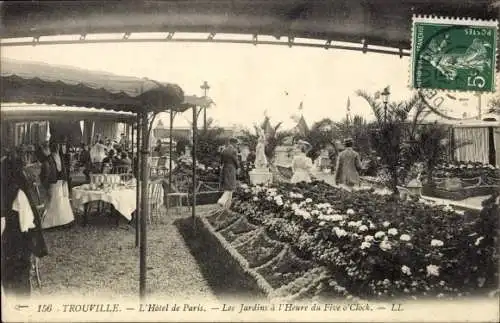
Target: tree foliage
[
  {"x": 394, "y": 138},
  {"x": 208, "y": 142}
]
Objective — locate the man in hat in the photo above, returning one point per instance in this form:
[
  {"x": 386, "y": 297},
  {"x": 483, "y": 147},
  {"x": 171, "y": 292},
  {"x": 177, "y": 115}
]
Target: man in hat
[
  {"x": 230, "y": 166},
  {"x": 348, "y": 166}
]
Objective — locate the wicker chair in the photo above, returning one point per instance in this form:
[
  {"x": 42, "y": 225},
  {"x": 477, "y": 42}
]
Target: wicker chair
[
  {"x": 155, "y": 200},
  {"x": 153, "y": 166},
  {"x": 35, "y": 261}
]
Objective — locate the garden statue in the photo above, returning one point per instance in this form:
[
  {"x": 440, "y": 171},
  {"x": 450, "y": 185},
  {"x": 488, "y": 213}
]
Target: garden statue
[
  {"x": 260, "y": 174},
  {"x": 260, "y": 152}
]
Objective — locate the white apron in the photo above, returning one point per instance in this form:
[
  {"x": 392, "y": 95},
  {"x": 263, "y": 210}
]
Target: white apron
[{"x": 58, "y": 211}]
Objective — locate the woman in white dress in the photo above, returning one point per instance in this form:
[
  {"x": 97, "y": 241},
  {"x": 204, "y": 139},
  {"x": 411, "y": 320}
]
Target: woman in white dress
[
  {"x": 53, "y": 177},
  {"x": 301, "y": 164}
]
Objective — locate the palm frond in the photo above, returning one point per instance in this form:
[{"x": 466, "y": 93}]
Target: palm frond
[{"x": 375, "y": 106}]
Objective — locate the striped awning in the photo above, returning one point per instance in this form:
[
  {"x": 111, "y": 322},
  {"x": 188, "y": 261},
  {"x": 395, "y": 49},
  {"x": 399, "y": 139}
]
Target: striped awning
[{"x": 41, "y": 83}]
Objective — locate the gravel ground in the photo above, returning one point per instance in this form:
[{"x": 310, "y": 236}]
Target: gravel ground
[{"x": 101, "y": 260}]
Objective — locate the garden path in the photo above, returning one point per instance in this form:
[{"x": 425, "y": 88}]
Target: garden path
[{"x": 100, "y": 260}]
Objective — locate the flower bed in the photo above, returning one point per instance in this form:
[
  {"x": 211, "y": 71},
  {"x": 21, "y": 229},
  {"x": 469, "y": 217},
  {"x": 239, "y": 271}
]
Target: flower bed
[
  {"x": 463, "y": 180},
  {"x": 489, "y": 174},
  {"x": 272, "y": 264},
  {"x": 371, "y": 246}
]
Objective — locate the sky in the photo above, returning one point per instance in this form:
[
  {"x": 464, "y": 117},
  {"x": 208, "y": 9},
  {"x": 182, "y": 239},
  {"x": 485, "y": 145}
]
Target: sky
[{"x": 245, "y": 81}]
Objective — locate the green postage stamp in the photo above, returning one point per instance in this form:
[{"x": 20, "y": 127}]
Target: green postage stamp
[{"x": 453, "y": 54}]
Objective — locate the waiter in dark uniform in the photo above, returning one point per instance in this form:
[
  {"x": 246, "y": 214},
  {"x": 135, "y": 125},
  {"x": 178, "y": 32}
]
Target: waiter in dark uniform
[{"x": 21, "y": 227}]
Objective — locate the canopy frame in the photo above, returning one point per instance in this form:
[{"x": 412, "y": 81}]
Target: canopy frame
[{"x": 16, "y": 88}]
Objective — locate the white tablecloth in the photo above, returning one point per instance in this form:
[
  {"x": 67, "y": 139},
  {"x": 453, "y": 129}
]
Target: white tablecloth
[{"x": 123, "y": 199}]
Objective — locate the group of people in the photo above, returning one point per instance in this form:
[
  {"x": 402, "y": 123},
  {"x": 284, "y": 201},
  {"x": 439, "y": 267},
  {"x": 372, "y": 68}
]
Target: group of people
[
  {"x": 347, "y": 166},
  {"x": 106, "y": 157},
  {"x": 22, "y": 218}
]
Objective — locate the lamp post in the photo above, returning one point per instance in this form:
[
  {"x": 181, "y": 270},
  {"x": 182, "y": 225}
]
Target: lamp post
[
  {"x": 205, "y": 87},
  {"x": 385, "y": 98}
]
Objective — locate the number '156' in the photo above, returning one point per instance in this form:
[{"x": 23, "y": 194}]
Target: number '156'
[{"x": 45, "y": 308}]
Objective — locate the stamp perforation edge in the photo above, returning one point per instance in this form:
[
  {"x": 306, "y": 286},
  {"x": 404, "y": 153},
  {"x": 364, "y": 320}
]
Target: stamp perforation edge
[{"x": 462, "y": 21}]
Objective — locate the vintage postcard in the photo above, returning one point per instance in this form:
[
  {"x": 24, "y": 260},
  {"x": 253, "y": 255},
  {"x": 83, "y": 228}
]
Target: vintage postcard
[{"x": 200, "y": 161}]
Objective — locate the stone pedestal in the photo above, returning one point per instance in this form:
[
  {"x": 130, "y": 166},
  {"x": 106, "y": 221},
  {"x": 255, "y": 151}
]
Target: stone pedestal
[{"x": 260, "y": 176}]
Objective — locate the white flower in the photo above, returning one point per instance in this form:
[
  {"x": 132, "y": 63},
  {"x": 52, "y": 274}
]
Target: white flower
[
  {"x": 279, "y": 202},
  {"x": 309, "y": 200},
  {"x": 255, "y": 198},
  {"x": 340, "y": 232},
  {"x": 447, "y": 208},
  {"x": 406, "y": 270},
  {"x": 242, "y": 185},
  {"x": 392, "y": 231},
  {"x": 350, "y": 212},
  {"x": 432, "y": 270},
  {"x": 478, "y": 241},
  {"x": 337, "y": 217},
  {"x": 404, "y": 237},
  {"x": 296, "y": 195},
  {"x": 322, "y": 223},
  {"x": 379, "y": 234},
  {"x": 436, "y": 243},
  {"x": 315, "y": 212},
  {"x": 351, "y": 224},
  {"x": 372, "y": 226},
  {"x": 365, "y": 245},
  {"x": 369, "y": 238},
  {"x": 363, "y": 228},
  {"x": 385, "y": 245},
  {"x": 323, "y": 205},
  {"x": 386, "y": 224},
  {"x": 306, "y": 215}
]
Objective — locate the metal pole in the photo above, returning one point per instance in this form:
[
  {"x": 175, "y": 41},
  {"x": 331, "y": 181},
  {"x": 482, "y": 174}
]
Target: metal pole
[
  {"x": 354, "y": 46},
  {"x": 479, "y": 107},
  {"x": 385, "y": 112},
  {"x": 193, "y": 152},
  {"x": 138, "y": 182},
  {"x": 170, "y": 159},
  {"x": 131, "y": 136},
  {"x": 144, "y": 205}
]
